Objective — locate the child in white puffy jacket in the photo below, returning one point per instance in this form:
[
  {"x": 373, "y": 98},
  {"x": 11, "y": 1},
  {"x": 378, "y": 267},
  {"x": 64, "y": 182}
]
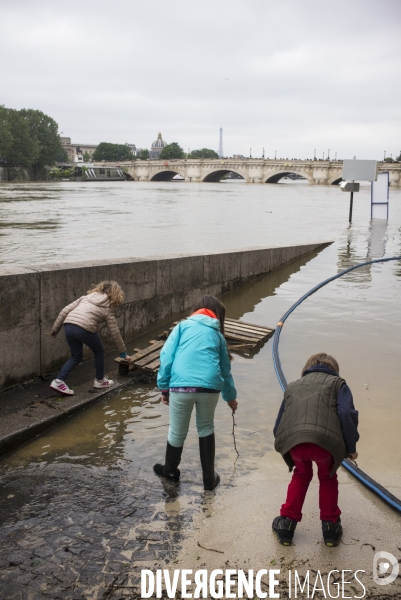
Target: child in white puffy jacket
[{"x": 81, "y": 320}]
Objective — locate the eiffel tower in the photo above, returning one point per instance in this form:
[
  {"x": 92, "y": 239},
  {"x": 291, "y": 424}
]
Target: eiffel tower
[{"x": 221, "y": 143}]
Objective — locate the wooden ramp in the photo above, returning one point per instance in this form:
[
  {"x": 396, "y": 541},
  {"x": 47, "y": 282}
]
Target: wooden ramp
[
  {"x": 147, "y": 360},
  {"x": 243, "y": 338},
  {"x": 245, "y": 335}
]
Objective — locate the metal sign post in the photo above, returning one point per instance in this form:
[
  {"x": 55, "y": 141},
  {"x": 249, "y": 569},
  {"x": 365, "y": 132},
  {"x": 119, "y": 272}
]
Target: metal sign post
[
  {"x": 350, "y": 186},
  {"x": 351, "y": 202},
  {"x": 362, "y": 170}
]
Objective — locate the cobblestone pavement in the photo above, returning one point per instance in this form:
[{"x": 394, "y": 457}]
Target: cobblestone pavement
[{"x": 75, "y": 533}]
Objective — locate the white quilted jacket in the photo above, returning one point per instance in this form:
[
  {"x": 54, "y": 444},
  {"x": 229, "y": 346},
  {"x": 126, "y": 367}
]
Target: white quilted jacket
[{"x": 89, "y": 312}]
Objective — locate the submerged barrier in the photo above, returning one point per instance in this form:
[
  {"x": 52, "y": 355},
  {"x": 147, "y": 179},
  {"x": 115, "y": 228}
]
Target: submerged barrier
[{"x": 349, "y": 465}]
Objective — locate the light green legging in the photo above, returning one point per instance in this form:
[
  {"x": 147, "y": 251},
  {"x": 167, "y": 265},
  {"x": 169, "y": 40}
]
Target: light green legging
[{"x": 181, "y": 406}]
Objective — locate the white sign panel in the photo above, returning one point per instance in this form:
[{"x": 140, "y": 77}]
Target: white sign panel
[
  {"x": 360, "y": 170},
  {"x": 380, "y": 197}
]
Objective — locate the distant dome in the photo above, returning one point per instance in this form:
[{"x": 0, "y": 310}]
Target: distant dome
[
  {"x": 159, "y": 143},
  {"x": 157, "y": 147}
]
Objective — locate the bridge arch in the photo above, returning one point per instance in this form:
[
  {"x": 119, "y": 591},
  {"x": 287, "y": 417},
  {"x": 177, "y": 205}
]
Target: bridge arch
[
  {"x": 166, "y": 175},
  {"x": 335, "y": 180},
  {"x": 218, "y": 174},
  {"x": 276, "y": 176}
]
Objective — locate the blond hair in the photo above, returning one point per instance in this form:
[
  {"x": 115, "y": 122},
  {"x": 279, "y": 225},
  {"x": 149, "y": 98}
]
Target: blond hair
[
  {"x": 112, "y": 289},
  {"x": 321, "y": 358}
]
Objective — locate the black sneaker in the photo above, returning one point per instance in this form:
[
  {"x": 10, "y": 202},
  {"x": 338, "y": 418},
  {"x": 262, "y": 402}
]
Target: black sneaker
[
  {"x": 284, "y": 530},
  {"x": 332, "y": 532}
]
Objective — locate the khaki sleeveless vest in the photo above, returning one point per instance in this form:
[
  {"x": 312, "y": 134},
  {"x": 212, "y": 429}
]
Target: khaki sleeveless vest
[{"x": 310, "y": 415}]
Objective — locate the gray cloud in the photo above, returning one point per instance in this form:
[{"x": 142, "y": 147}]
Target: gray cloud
[{"x": 289, "y": 76}]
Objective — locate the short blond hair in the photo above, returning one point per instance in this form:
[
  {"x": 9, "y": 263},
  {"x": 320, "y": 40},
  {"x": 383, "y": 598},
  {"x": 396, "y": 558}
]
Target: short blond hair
[
  {"x": 321, "y": 358},
  {"x": 112, "y": 289}
]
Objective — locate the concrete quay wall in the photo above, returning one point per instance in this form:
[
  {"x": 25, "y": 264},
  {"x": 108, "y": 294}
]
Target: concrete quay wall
[{"x": 156, "y": 288}]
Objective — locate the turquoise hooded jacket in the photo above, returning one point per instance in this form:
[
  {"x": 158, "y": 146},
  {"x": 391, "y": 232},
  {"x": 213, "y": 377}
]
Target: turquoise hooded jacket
[{"x": 195, "y": 355}]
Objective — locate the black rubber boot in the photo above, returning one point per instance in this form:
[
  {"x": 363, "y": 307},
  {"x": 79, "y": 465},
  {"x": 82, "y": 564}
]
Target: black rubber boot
[
  {"x": 170, "y": 469},
  {"x": 207, "y": 451}
]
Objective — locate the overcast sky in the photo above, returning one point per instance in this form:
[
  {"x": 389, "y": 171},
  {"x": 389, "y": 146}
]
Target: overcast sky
[{"x": 287, "y": 75}]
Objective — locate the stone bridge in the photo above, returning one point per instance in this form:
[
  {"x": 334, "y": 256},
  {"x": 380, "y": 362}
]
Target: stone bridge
[{"x": 253, "y": 170}]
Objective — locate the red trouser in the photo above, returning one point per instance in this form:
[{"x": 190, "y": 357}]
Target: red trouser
[{"x": 303, "y": 455}]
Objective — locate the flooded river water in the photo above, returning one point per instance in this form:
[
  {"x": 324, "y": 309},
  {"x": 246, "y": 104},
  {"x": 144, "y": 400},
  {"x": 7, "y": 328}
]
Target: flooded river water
[
  {"x": 356, "y": 318},
  {"x": 67, "y": 221}
]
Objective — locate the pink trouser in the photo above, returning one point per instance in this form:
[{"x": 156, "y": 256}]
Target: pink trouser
[{"x": 303, "y": 455}]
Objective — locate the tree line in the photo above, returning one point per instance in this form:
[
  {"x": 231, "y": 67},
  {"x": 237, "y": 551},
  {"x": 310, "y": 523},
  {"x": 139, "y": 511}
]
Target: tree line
[
  {"x": 174, "y": 151},
  {"x": 390, "y": 159},
  {"x": 112, "y": 152},
  {"x": 29, "y": 138},
  {"x": 120, "y": 152}
]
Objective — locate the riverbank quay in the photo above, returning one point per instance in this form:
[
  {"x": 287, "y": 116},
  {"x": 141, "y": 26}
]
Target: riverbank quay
[
  {"x": 82, "y": 511},
  {"x": 30, "y": 408},
  {"x": 234, "y": 532},
  {"x": 75, "y": 533},
  {"x": 156, "y": 289},
  {"x": 88, "y": 534}
]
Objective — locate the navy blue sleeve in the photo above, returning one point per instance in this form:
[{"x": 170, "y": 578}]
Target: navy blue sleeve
[
  {"x": 280, "y": 414},
  {"x": 348, "y": 417}
]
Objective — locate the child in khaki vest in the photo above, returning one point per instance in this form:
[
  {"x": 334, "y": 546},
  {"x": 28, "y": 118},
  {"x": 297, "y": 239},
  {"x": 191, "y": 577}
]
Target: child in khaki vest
[{"x": 317, "y": 422}]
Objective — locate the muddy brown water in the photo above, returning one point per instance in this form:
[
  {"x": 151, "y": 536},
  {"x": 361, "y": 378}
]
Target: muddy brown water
[
  {"x": 67, "y": 221},
  {"x": 86, "y": 464},
  {"x": 356, "y": 318}
]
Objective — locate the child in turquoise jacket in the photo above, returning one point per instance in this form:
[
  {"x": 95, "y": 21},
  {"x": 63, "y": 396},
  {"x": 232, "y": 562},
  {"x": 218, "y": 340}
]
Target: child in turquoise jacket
[{"x": 194, "y": 368}]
